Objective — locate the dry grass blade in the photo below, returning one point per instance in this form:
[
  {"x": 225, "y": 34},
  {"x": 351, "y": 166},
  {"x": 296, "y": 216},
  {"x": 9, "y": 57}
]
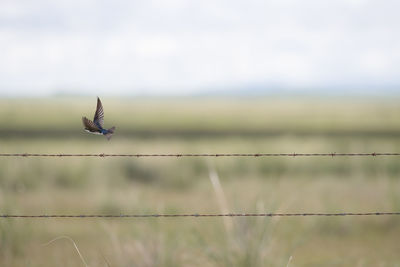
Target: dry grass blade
[
  {"x": 290, "y": 259},
  {"x": 105, "y": 259},
  {"x": 219, "y": 192},
  {"x": 73, "y": 242}
]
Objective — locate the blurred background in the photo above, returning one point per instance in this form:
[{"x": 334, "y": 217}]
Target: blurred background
[{"x": 200, "y": 77}]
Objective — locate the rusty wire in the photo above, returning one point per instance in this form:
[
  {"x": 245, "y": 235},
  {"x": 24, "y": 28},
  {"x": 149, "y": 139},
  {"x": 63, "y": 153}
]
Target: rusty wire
[
  {"x": 195, "y": 215},
  {"x": 373, "y": 154}
]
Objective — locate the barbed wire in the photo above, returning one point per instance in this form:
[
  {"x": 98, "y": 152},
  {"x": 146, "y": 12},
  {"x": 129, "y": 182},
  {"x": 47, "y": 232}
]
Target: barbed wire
[
  {"x": 196, "y": 215},
  {"x": 374, "y": 154}
]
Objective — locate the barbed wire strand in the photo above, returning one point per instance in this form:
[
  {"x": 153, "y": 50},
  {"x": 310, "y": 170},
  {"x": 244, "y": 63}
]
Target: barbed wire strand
[
  {"x": 374, "y": 154},
  {"x": 195, "y": 215}
]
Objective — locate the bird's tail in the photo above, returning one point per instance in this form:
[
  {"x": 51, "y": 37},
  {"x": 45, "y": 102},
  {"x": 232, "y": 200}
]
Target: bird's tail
[{"x": 110, "y": 133}]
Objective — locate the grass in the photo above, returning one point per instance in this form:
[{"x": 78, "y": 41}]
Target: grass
[{"x": 170, "y": 185}]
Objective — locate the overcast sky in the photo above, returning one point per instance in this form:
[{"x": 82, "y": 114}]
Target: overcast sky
[{"x": 182, "y": 46}]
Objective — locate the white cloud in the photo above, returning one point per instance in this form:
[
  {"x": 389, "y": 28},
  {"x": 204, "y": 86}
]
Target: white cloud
[{"x": 180, "y": 46}]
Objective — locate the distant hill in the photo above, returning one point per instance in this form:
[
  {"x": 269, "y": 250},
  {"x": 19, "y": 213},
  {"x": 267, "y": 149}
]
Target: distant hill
[{"x": 266, "y": 90}]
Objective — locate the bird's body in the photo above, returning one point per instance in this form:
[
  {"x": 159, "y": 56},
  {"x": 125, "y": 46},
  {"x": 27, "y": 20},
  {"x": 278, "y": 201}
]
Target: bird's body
[{"x": 96, "y": 126}]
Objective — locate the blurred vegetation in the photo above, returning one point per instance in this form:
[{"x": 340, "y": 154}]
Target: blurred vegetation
[
  {"x": 180, "y": 185},
  {"x": 194, "y": 117}
]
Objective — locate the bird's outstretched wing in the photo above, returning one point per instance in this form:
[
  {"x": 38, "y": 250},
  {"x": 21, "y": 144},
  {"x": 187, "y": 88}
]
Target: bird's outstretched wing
[
  {"x": 99, "y": 115},
  {"x": 90, "y": 125}
]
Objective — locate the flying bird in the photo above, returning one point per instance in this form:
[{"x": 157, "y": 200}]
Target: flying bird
[{"x": 96, "y": 126}]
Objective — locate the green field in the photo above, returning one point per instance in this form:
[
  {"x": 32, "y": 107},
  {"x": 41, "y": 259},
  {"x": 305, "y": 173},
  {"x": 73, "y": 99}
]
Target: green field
[{"x": 182, "y": 185}]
